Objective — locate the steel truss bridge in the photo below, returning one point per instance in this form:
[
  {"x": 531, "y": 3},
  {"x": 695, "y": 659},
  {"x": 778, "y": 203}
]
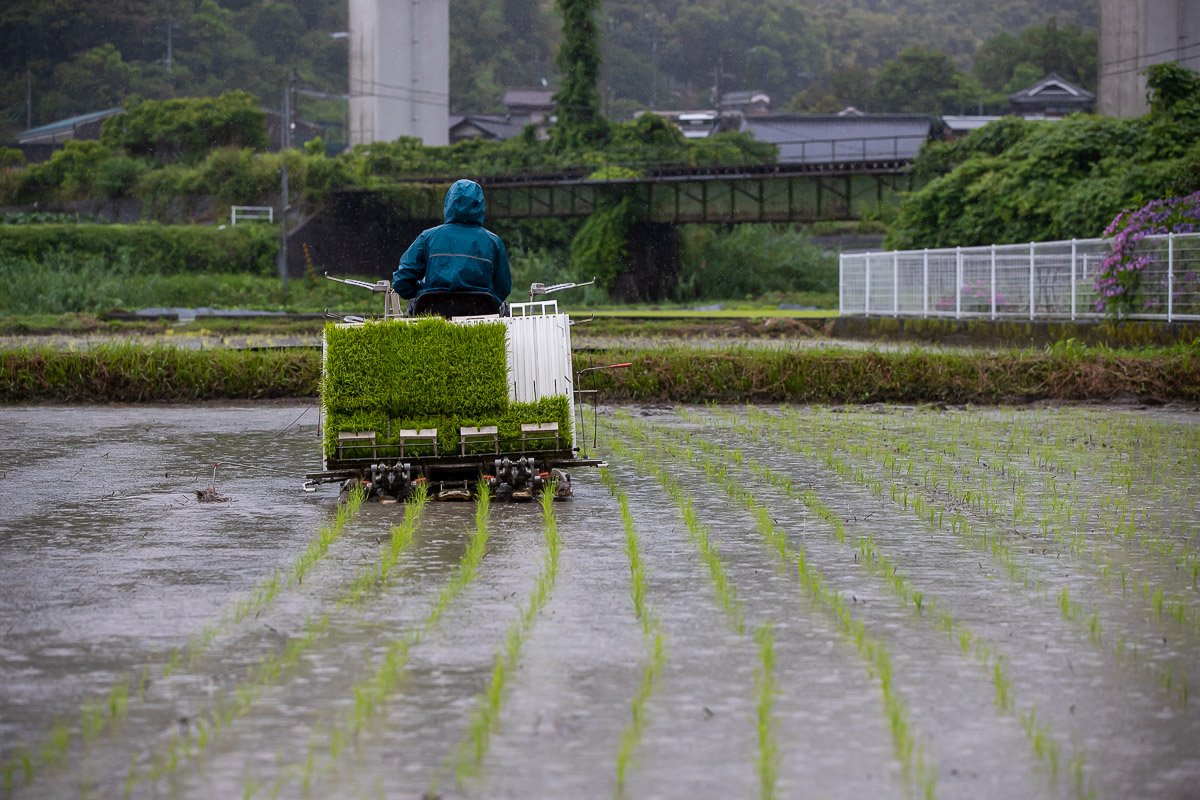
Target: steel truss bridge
[{"x": 829, "y": 181}]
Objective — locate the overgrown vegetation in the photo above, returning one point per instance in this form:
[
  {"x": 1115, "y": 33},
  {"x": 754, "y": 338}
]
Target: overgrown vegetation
[
  {"x": 750, "y": 261},
  {"x": 1017, "y": 180},
  {"x": 143, "y": 248}
]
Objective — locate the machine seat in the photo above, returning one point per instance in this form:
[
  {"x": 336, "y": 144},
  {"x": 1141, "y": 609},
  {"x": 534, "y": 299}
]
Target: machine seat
[{"x": 455, "y": 304}]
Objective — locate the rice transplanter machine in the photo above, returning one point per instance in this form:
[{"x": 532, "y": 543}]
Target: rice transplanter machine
[{"x": 515, "y": 462}]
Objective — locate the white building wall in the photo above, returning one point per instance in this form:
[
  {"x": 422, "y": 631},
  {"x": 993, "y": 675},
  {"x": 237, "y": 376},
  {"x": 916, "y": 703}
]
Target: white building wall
[
  {"x": 1135, "y": 34},
  {"x": 399, "y": 70}
]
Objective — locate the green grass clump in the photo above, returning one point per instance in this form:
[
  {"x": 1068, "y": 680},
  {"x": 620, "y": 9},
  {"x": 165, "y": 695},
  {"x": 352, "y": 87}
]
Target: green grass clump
[
  {"x": 656, "y": 652},
  {"x": 765, "y": 690},
  {"x": 485, "y": 719},
  {"x": 422, "y": 368}
]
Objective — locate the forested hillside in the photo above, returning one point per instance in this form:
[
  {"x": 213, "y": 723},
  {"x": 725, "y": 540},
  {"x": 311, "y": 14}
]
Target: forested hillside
[{"x": 83, "y": 55}]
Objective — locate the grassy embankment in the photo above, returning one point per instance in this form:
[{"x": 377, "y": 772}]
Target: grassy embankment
[{"x": 126, "y": 373}]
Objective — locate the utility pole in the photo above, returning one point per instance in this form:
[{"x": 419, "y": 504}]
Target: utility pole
[
  {"x": 285, "y": 142},
  {"x": 720, "y": 68},
  {"x": 654, "y": 80},
  {"x": 28, "y": 98},
  {"x": 170, "y": 30}
]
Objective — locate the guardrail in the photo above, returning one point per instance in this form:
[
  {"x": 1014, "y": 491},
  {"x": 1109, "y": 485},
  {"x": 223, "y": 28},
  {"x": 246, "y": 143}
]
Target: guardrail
[
  {"x": 1038, "y": 280},
  {"x": 251, "y": 213}
]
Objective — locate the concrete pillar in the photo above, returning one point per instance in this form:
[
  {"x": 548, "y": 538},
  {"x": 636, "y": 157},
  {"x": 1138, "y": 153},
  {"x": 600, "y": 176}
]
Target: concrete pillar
[
  {"x": 399, "y": 70},
  {"x": 1135, "y": 34}
]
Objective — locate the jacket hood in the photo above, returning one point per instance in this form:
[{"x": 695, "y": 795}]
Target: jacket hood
[{"x": 464, "y": 203}]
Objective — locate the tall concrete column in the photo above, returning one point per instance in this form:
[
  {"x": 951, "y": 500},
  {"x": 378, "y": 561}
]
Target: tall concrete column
[
  {"x": 399, "y": 70},
  {"x": 1135, "y": 34}
]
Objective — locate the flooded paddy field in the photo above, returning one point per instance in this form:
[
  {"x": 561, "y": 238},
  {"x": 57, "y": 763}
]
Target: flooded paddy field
[{"x": 749, "y": 602}]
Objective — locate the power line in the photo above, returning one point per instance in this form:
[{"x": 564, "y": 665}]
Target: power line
[
  {"x": 418, "y": 101},
  {"x": 1130, "y": 69},
  {"x": 1140, "y": 56},
  {"x": 399, "y": 88}
]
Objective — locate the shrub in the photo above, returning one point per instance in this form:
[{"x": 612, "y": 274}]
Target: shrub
[
  {"x": 187, "y": 129},
  {"x": 148, "y": 247},
  {"x": 1120, "y": 285},
  {"x": 750, "y": 261},
  {"x": 11, "y": 157},
  {"x": 117, "y": 176}
]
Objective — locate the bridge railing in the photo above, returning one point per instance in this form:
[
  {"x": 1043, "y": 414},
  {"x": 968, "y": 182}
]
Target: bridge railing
[
  {"x": 893, "y": 150},
  {"x": 1038, "y": 280},
  {"x": 863, "y": 148}
]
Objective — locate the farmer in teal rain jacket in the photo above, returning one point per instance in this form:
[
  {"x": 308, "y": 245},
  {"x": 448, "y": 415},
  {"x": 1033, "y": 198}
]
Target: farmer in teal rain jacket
[{"x": 459, "y": 255}]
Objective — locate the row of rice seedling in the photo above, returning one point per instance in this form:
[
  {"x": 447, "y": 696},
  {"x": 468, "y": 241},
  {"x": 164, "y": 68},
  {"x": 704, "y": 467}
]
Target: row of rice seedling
[
  {"x": 1056, "y": 518},
  {"x": 766, "y": 761},
  {"x": 927, "y": 605},
  {"x": 372, "y": 692},
  {"x": 765, "y": 690},
  {"x": 270, "y": 669},
  {"x": 98, "y": 715},
  {"x": 786, "y": 431},
  {"x": 485, "y": 719},
  {"x": 52, "y": 751},
  {"x": 698, "y": 534},
  {"x": 829, "y": 599},
  {"x": 1133, "y": 444},
  {"x": 1152, "y": 462},
  {"x": 265, "y": 593},
  {"x": 656, "y": 655},
  {"x": 1062, "y": 457},
  {"x": 1118, "y": 515}
]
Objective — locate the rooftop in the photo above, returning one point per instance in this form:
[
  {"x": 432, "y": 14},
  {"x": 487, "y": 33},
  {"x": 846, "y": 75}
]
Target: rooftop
[
  {"x": 539, "y": 97},
  {"x": 1052, "y": 89},
  {"x": 70, "y": 122},
  {"x": 826, "y": 138}
]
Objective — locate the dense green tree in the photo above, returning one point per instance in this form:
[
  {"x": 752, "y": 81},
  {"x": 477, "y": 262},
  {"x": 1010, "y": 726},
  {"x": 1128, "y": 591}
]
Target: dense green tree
[
  {"x": 834, "y": 90},
  {"x": 767, "y": 45},
  {"x": 100, "y": 75},
  {"x": 923, "y": 81},
  {"x": 496, "y": 45},
  {"x": 580, "y": 122},
  {"x": 1006, "y": 62}
]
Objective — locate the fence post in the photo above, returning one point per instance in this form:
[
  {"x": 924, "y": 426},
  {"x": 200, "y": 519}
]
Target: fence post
[
  {"x": 958, "y": 280},
  {"x": 1031, "y": 283},
  {"x": 1170, "y": 276},
  {"x": 895, "y": 283},
  {"x": 992, "y": 282},
  {"x": 925, "y": 283},
  {"x": 841, "y": 282},
  {"x": 1072, "y": 279},
  {"x": 867, "y": 285}
]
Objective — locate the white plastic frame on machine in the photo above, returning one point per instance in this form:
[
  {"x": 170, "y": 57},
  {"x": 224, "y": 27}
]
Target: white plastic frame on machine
[{"x": 1038, "y": 280}]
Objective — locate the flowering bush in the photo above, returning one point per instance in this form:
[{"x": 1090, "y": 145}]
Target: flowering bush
[{"x": 1119, "y": 285}]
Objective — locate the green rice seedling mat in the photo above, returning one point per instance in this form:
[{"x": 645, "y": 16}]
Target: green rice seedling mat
[{"x": 422, "y": 368}]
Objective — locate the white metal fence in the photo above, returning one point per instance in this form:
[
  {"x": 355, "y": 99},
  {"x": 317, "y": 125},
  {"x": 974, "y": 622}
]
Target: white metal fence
[{"x": 1038, "y": 280}]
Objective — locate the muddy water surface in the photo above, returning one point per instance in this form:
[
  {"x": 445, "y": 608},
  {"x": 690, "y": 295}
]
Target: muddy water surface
[{"x": 109, "y": 566}]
